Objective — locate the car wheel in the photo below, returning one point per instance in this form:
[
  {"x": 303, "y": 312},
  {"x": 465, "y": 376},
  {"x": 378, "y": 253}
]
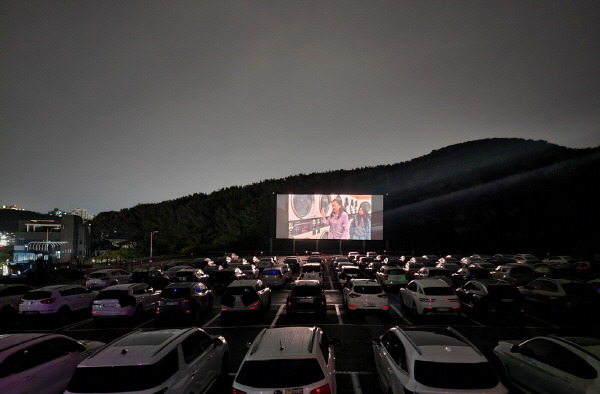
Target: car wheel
[
  {"x": 139, "y": 311},
  {"x": 62, "y": 315},
  {"x": 414, "y": 310},
  {"x": 268, "y": 303}
]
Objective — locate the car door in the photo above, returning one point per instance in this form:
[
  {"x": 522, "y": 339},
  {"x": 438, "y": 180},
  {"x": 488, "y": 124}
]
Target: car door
[
  {"x": 201, "y": 361},
  {"x": 391, "y": 363},
  {"x": 80, "y": 298},
  {"x": 529, "y": 367}
]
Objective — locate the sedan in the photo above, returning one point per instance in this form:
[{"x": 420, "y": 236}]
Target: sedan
[
  {"x": 430, "y": 296},
  {"x": 185, "y": 299},
  {"x": 491, "y": 297},
  {"x": 552, "y": 364}
]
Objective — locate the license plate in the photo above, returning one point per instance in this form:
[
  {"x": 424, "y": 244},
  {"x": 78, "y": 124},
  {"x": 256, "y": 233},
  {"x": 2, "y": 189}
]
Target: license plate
[
  {"x": 238, "y": 304},
  {"x": 507, "y": 300},
  {"x": 173, "y": 303},
  {"x": 443, "y": 309},
  {"x": 304, "y": 301},
  {"x": 30, "y": 313},
  {"x": 294, "y": 391},
  {"x": 368, "y": 305}
]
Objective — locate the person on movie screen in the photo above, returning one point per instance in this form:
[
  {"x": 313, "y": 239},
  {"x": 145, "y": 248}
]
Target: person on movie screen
[
  {"x": 360, "y": 227},
  {"x": 337, "y": 221}
]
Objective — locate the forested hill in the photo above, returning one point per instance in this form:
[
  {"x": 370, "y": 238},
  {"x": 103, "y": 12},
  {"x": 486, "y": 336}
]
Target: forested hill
[{"x": 494, "y": 195}]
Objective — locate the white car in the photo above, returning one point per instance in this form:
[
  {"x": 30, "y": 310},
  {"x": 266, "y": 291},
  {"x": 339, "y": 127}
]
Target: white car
[
  {"x": 311, "y": 271},
  {"x": 100, "y": 279},
  {"x": 128, "y": 300},
  {"x": 245, "y": 295},
  {"x": 430, "y": 296},
  {"x": 40, "y": 363},
  {"x": 288, "y": 360},
  {"x": 57, "y": 301},
  {"x": 10, "y": 295},
  {"x": 273, "y": 277},
  {"x": 526, "y": 258},
  {"x": 552, "y": 364},
  {"x": 365, "y": 294},
  {"x": 346, "y": 273},
  {"x": 178, "y": 361},
  {"x": 432, "y": 361}
]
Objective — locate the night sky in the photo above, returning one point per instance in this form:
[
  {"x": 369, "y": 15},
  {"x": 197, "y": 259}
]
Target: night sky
[{"x": 108, "y": 104}]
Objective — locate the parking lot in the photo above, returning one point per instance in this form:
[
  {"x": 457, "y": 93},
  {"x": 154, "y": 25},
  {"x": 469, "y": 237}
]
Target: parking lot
[{"x": 354, "y": 354}]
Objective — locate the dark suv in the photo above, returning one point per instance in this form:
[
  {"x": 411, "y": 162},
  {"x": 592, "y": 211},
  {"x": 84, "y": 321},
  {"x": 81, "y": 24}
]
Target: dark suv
[
  {"x": 306, "y": 296},
  {"x": 152, "y": 277}
]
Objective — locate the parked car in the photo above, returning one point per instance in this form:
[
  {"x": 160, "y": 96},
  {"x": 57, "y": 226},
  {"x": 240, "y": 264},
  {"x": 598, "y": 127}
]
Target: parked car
[
  {"x": 290, "y": 360},
  {"x": 247, "y": 271},
  {"x": 430, "y": 297},
  {"x": 306, "y": 296},
  {"x": 98, "y": 280},
  {"x": 483, "y": 264},
  {"x": 151, "y": 276},
  {"x": 184, "y": 299},
  {"x": 348, "y": 272},
  {"x": 265, "y": 262},
  {"x": 434, "y": 273},
  {"x": 372, "y": 268},
  {"x": 526, "y": 258},
  {"x": 411, "y": 267},
  {"x": 245, "y": 295},
  {"x": 125, "y": 300},
  {"x": 219, "y": 279},
  {"x": 552, "y": 364},
  {"x": 466, "y": 274},
  {"x": 273, "y": 277},
  {"x": 491, "y": 297},
  {"x": 10, "y": 296},
  {"x": 285, "y": 270},
  {"x": 562, "y": 295},
  {"x": 56, "y": 301},
  {"x": 365, "y": 294},
  {"x": 311, "y": 271},
  {"x": 190, "y": 275},
  {"x": 449, "y": 265},
  {"x": 338, "y": 260},
  {"x": 293, "y": 262},
  {"x": 185, "y": 360},
  {"x": 560, "y": 260},
  {"x": 171, "y": 271},
  {"x": 432, "y": 361},
  {"x": 390, "y": 277},
  {"x": 516, "y": 274},
  {"x": 40, "y": 363}
]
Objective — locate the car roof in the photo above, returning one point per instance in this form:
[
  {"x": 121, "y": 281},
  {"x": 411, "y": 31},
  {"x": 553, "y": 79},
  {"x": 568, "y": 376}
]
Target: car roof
[
  {"x": 442, "y": 345},
  {"x": 312, "y": 265},
  {"x": 284, "y": 342},
  {"x": 365, "y": 282},
  {"x": 243, "y": 283},
  {"x": 307, "y": 282},
  {"x": 121, "y": 286},
  {"x": 137, "y": 347},
  {"x": 8, "y": 341}
]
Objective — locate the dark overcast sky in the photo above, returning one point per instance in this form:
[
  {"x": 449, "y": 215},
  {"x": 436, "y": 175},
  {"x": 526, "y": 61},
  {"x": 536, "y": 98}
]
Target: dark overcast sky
[{"x": 108, "y": 104}]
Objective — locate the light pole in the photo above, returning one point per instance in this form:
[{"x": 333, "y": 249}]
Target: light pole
[{"x": 152, "y": 235}]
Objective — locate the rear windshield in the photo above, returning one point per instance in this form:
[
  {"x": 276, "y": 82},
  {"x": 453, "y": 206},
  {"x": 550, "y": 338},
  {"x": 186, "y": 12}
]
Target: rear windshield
[
  {"x": 37, "y": 295},
  {"x": 184, "y": 273},
  {"x": 367, "y": 289},
  {"x": 311, "y": 269},
  {"x": 438, "y": 291},
  {"x": 114, "y": 379},
  {"x": 580, "y": 289},
  {"x": 98, "y": 275},
  {"x": 111, "y": 294},
  {"x": 280, "y": 373},
  {"x": 504, "y": 291},
  {"x": 439, "y": 273},
  {"x": 396, "y": 272},
  {"x": 306, "y": 291},
  {"x": 452, "y": 375},
  {"x": 518, "y": 272},
  {"x": 271, "y": 272},
  {"x": 175, "y": 292},
  {"x": 238, "y": 290}
]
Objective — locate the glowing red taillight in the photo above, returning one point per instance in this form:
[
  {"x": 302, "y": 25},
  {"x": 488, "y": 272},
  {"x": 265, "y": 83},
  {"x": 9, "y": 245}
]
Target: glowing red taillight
[
  {"x": 48, "y": 300},
  {"x": 353, "y": 295},
  {"x": 322, "y": 390},
  {"x": 236, "y": 391},
  {"x": 254, "y": 305}
]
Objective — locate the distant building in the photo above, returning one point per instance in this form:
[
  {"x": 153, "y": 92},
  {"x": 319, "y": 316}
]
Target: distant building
[
  {"x": 83, "y": 213},
  {"x": 57, "y": 240},
  {"x": 14, "y": 206}
]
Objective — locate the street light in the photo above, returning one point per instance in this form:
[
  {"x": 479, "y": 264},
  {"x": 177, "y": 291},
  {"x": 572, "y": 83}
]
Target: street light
[{"x": 152, "y": 235}]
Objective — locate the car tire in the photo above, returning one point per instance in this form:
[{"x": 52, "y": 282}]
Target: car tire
[
  {"x": 62, "y": 315},
  {"x": 139, "y": 312}
]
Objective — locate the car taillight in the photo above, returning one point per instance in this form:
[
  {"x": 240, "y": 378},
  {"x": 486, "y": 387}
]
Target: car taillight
[
  {"x": 48, "y": 300},
  {"x": 426, "y": 299},
  {"x": 322, "y": 390},
  {"x": 386, "y": 277},
  {"x": 353, "y": 295},
  {"x": 236, "y": 391},
  {"x": 254, "y": 305},
  {"x": 382, "y": 296}
]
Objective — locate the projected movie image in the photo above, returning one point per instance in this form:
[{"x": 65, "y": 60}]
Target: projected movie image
[{"x": 329, "y": 216}]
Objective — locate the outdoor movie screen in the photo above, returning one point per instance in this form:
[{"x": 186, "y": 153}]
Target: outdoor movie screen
[{"x": 330, "y": 216}]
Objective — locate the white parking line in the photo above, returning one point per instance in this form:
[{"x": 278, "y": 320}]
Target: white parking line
[
  {"x": 339, "y": 315},
  {"x": 356, "y": 384},
  {"x": 277, "y": 316},
  {"x": 208, "y": 323},
  {"x": 331, "y": 282}
]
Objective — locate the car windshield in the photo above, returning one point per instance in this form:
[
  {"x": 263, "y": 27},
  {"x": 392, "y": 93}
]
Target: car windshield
[
  {"x": 305, "y": 291},
  {"x": 396, "y": 272},
  {"x": 311, "y": 269},
  {"x": 367, "y": 289},
  {"x": 438, "y": 291},
  {"x": 113, "y": 379},
  {"x": 271, "y": 272},
  {"x": 97, "y": 275},
  {"x": 175, "y": 292},
  {"x": 454, "y": 375},
  {"x": 280, "y": 373},
  {"x": 238, "y": 290},
  {"x": 37, "y": 295}
]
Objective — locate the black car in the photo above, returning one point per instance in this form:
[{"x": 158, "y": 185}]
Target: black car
[
  {"x": 152, "y": 277},
  {"x": 293, "y": 263},
  {"x": 466, "y": 274},
  {"x": 190, "y": 275},
  {"x": 515, "y": 273},
  {"x": 491, "y": 297},
  {"x": 306, "y": 296},
  {"x": 220, "y": 279},
  {"x": 184, "y": 299}
]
